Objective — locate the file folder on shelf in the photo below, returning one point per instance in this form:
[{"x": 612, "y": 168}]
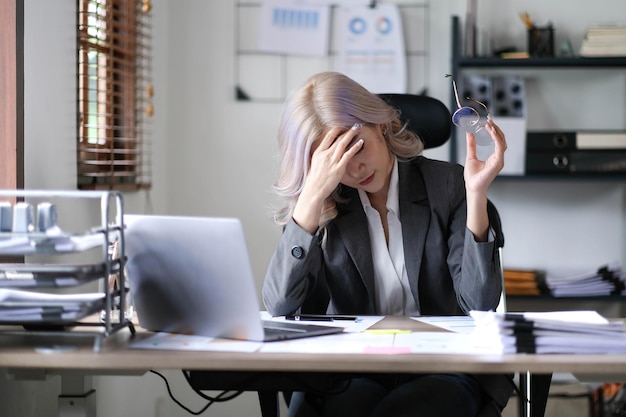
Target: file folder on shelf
[{"x": 575, "y": 152}]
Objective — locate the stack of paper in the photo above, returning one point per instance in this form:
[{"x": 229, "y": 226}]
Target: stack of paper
[
  {"x": 34, "y": 307},
  {"x": 606, "y": 280},
  {"x": 32, "y": 275},
  {"x": 604, "y": 40},
  {"x": 550, "y": 332},
  {"x": 53, "y": 240}
]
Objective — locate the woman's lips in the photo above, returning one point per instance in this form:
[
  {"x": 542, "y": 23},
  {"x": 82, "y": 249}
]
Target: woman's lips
[{"x": 367, "y": 180}]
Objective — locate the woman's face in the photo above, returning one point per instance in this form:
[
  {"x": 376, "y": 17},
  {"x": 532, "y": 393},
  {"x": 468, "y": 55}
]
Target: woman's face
[{"x": 370, "y": 169}]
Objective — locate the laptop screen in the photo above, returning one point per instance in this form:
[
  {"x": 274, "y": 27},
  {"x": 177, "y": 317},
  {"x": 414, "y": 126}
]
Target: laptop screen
[{"x": 192, "y": 275}]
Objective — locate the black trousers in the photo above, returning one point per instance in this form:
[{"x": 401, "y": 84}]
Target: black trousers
[{"x": 381, "y": 395}]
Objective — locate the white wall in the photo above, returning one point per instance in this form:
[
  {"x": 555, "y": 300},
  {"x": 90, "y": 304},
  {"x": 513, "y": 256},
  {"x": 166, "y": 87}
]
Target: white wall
[
  {"x": 215, "y": 135},
  {"x": 215, "y": 156}
]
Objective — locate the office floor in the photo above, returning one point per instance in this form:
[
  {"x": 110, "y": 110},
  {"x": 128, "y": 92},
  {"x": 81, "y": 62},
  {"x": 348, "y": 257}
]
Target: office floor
[{"x": 558, "y": 406}]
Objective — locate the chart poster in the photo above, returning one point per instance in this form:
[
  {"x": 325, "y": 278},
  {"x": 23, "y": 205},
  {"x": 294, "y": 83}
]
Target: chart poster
[
  {"x": 371, "y": 47},
  {"x": 295, "y": 27}
]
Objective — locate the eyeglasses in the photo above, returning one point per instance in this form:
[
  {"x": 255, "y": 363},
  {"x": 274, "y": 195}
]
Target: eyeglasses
[{"x": 470, "y": 119}]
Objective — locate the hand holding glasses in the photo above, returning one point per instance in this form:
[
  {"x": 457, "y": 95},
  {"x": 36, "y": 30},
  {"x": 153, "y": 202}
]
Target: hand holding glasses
[{"x": 470, "y": 119}]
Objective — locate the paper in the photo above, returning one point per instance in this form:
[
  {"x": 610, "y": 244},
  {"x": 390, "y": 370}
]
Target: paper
[
  {"x": 52, "y": 241},
  {"x": 29, "y": 306},
  {"x": 294, "y": 27},
  {"x": 49, "y": 275},
  {"x": 456, "y": 324},
  {"x": 370, "y": 47},
  {"x": 606, "y": 280},
  {"x": 174, "y": 341},
  {"x": 393, "y": 343},
  {"x": 549, "y": 332},
  {"x": 444, "y": 343},
  {"x": 17, "y": 298},
  {"x": 15, "y": 245},
  {"x": 356, "y": 339}
]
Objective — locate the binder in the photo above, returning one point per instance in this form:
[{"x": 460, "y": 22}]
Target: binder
[
  {"x": 601, "y": 140},
  {"x": 588, "y": 152},
  {"x": 576, "y": 161},
  {"x": 550, "y": 141},
  {"x": 571, "y": 140}
]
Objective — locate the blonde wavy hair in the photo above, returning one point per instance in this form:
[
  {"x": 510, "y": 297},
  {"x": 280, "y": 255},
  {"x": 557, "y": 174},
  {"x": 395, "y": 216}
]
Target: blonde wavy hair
[{"x": 328, "y": 100}]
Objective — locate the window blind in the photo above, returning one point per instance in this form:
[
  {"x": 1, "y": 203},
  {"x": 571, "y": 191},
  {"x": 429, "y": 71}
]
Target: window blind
[{"x": 114, "y": 94}]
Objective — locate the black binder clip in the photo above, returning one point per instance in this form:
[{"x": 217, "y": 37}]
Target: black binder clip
[{"x": 373, "y": 4}]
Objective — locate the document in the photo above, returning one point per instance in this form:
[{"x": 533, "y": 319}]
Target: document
[
  {"x": 609, "y": 279},
  {"x": 295, "y": 27},
  {"x": 456, "y": 324},
  {"x": 53, "y": 240},
  {"x": 50, "y": 275},
  {"x": 175, "y": 341},
  {"x": 30, "y": 306},
  {"x": 358, "y": 338},
  {"x": 386, "y": 343},
  {"x": 370, "y": 45},
  {"x": 17, "y": 298},
  {"x": 550, "y": 332},
  {"x": 445, "y": 343}
]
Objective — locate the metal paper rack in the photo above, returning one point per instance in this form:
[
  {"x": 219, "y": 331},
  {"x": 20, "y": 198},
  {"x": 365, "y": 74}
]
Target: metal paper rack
[{"x": 44, "y": 266}]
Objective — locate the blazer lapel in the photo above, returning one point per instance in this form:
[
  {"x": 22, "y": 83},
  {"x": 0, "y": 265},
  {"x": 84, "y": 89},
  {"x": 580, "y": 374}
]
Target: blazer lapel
[
  {"x": 354, "y": 232},
  {"x": 415, "y": 218}
]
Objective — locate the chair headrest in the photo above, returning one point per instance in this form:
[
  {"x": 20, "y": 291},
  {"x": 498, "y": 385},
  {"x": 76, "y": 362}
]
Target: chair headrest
[{"x": 426, "y": 116}]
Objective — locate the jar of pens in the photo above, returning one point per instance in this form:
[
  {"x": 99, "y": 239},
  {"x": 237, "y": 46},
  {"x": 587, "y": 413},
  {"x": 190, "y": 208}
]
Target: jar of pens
[
  {"x": 113, "y": 283},
  {"x": 540, "y": 38}
]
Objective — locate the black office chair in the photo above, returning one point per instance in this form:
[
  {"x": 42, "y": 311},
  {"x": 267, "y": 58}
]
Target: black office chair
[{"x": 428, "y": 117}]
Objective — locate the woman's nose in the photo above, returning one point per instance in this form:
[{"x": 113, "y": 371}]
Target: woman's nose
[{"x": 355, "y": 167}]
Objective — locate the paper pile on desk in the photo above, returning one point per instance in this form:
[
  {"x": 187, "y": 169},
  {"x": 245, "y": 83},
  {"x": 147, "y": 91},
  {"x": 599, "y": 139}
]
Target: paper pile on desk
[
  {"x": 550, "y": 332},
  {"x": 607, "y": 280}
]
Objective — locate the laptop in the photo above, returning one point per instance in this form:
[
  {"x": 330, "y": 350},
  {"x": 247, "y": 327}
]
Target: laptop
[{"x": 193, "y": 275}]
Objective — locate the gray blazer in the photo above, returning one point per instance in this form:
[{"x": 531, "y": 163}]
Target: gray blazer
[{"x": 449, "y": 272}]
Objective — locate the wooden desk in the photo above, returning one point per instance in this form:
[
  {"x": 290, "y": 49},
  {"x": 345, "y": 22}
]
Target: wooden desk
[{"x": 19, "y": 355}]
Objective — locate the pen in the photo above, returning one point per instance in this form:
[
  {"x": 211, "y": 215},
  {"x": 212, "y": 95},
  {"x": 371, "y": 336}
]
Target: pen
[
  {"x": 528, "y": 22},
  {"x": 319, "y": 317}
]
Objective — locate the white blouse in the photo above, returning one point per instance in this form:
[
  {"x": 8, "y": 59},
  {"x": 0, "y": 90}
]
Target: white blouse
[{"x": 393, "y": 294}]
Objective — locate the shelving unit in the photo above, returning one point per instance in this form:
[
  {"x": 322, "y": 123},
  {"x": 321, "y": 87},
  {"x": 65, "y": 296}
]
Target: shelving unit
[
  {"x": 556, "y": 62},
  {"x": 49, "y": 297},
  {"x": 476, "y": 65},
  {"x": 610, "y": 306},
  {"x": 461, "y": 63}
]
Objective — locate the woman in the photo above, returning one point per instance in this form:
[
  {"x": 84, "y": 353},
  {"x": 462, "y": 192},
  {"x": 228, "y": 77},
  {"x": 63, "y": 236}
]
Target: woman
[{"x": 371, "y": 227}]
